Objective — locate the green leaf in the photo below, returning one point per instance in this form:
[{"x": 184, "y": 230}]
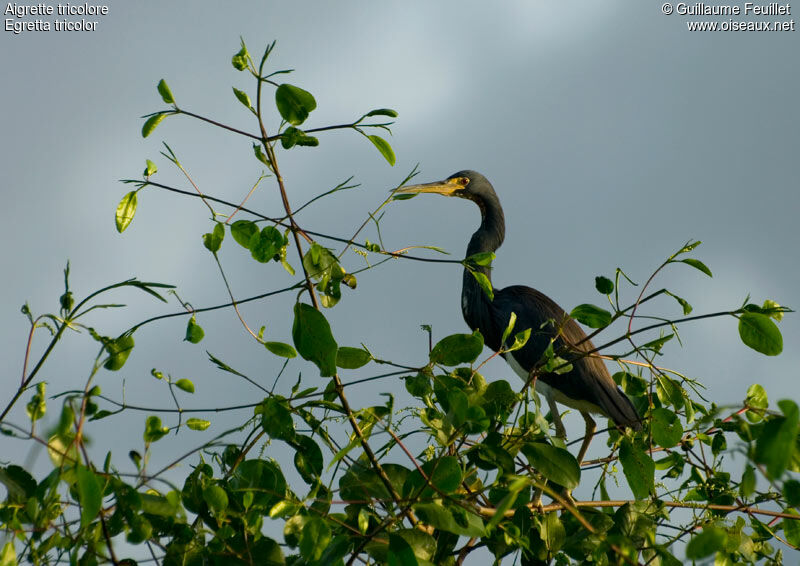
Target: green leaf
[
  {"x": 383, "y": 146},
  {"x": 443, "y": 473},
  {"x": 266, "y": 245},
  {"x": 697, "y": 264},
  {"x": 760, "y": 333},
  {"x": 520, "y": 339},
  {"x": 776, "y": 443},
  {"x": 166, "y": 94},
  {"x": 451, "y": 519},
  {"x": 552, "y": 532},
  {"x": 556, "y": 464},
  {"x": 125, "y": 211},
  {"x": 314, "y": 538},
  {"x": 242, "y": 97},
  {"x": 748, "y": 484},
  {"x": 18, "y": 482},
  {"x": 307, "y": 458},
  {"x": 151, "y": 123},
  {"x": 457, "y": 349},
  {"x": 313, "y": 339},
  {"x": 8, "y": 556},
  {"x": 709, "y": 541},
  {"x": 481, "y": 258},
  {"x": 281, "y": 349},
  {"x": 756, "y": 399},
  {"x": 118, "y": 351},
  {"x": 291, "y": 137},
  {"x": 194, "y": 332},
  {"x": 591, "y": 315},
  {"x": 400, "y": 552},
  {"x": 198, "y": 424},
  {"x": 260, "y": 155},
  {"x": 243, "y": 231},
  {"x": 276, "y": 419},
  {"x": 484, "y": 283},
  {"x": 382, "y": 112},
  {"x": 666, "y": 428},
  {"x": 153, "y": 430},
  {"x": 213, "y": 240},
  {"x": 687, "y": 308},
  {"x": 239, "y": 60},
  {"x": 294, "y": 103},
  {"x": 791, "y": 491},
  {"x": 604, "y": 285},
  {"x": 216, "y": 497},
  {"x": 772, "y": 309},
  {"x": 90, "y": 495},
  {"x": 512, "y": 321},
  {"x": 638, "y": 468},
  {"x": 791, "y": 529},
  {"x": 185, "y": 385},
  {"x": 352, "y": 358},
  {"x": 150, "y": 168}
]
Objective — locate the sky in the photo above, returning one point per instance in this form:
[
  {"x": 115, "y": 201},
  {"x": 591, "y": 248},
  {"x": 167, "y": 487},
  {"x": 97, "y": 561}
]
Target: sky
[{"x": 612, "y": 134}]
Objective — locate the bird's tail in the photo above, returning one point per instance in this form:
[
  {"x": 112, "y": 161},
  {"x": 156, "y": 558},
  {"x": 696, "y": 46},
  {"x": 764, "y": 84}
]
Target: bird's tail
[{"x": 618, "y": 407}]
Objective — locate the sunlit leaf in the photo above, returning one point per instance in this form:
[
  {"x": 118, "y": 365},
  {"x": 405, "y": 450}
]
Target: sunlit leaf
[
  {"x": 384, "y": 147},
  {"x": 154, "y": 430},
  {"x": 242, "y": 97},
  {"x": 150, "y": 168},
  {"x": 151, "y": 123},
  {"x": 126, "y": 209},
  {"x": 198, "y": 424},
  {"x": 484, "y": 283},
  {"x": 185, "y": 385},
  {"x": 166, "y": 94},
  {"x": 281, "y": 349},
  {"x": 757, "y": 400}
]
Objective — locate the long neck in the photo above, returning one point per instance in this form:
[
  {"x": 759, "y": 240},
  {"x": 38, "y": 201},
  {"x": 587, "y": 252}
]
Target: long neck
[{"x": 475, "y": 304}]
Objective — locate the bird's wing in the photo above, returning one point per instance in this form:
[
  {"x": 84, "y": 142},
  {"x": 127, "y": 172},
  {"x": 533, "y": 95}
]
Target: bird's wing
[{"x": 589, "y": 380}]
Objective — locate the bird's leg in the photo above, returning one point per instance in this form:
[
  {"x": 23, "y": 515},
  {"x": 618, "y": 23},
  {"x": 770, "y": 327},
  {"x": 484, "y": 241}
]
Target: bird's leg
[{"x": 591, "y": 426}]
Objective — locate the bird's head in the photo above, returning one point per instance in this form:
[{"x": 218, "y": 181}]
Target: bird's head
[{"x": 464, "y": 184}]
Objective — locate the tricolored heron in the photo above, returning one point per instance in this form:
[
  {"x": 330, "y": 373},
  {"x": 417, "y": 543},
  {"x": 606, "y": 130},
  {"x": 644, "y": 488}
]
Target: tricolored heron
[{"x": 588, "y": 386}]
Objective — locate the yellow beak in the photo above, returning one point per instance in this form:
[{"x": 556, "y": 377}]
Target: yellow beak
[{"x": 447, "y": 188}]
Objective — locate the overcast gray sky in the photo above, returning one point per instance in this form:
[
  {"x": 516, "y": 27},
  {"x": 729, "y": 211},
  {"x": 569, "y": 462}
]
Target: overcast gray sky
[{"x": 612, "y": 135}]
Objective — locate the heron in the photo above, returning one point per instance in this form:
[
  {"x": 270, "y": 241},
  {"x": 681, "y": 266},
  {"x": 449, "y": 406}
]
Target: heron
[{"x": 587, "y": 386}]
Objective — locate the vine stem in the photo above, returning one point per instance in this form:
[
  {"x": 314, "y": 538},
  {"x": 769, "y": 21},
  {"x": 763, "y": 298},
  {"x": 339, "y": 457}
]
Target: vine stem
[{"x": 490, "y": 511}]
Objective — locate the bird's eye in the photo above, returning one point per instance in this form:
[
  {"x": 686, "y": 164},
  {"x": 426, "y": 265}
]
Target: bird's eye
[{"x": 463, "y": 181}]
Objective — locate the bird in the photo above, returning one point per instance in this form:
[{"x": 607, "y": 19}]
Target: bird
[{"x": 587, "y": 386}]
